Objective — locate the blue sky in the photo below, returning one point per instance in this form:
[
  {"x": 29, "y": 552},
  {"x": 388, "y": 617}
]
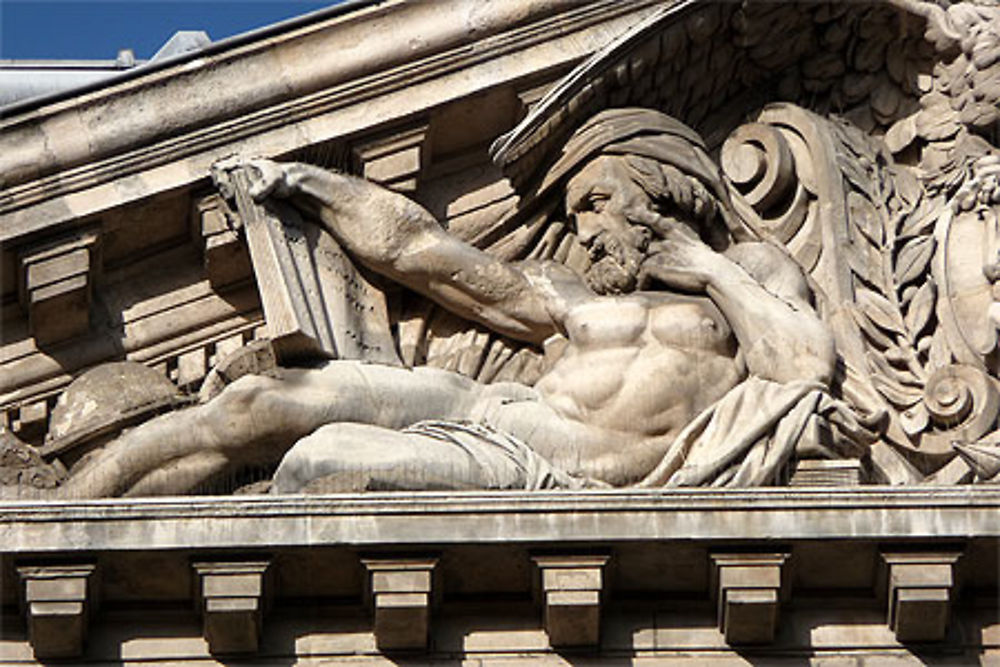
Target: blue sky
[{"x": 98, "y": 29}]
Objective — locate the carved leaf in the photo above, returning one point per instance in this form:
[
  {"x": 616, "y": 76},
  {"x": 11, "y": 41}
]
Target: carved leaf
[
  {"x": 907, "y": 187},
  {"x": 880, "y": 366},
  {"x": 879, "y": 310},
  {"x": 872, "y": 332},
  {"x": 913, "y": 258},
  {"x": 865, "y": 217},
  {"x": 920, "y": 220},
  {"x": 866, "y": 262},
  {"x": 897, "y": 394},
  {"x": 921, "y": 309}
]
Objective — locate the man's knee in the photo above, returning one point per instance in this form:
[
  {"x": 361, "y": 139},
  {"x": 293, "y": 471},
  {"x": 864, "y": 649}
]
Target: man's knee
[{"x": 340, "y": 449}]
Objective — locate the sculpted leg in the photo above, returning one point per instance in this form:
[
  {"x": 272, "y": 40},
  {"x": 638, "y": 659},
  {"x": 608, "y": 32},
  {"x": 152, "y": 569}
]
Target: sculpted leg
[
  {"x": 360, "y": 457},
  {"x": 256, "y": 419}
]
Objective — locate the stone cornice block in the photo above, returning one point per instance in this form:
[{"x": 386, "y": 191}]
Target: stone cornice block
[
  {"x": 571, "y": 591},
  {"x": 232, "y": 597},
  {"x": 225, "y": 255},
  {"x": 394, "y": 160},
  {"x": 919, "y": 593},
  {"x": 55, "y": 281},
  {"x": 57, "y": 603},
  {"x": 400, "y": 592},
  {"x": 747, "y": 588}
]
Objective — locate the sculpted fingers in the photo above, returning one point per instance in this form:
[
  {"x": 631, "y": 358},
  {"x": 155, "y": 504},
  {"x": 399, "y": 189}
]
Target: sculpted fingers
[{"x": 267, "y": 178}]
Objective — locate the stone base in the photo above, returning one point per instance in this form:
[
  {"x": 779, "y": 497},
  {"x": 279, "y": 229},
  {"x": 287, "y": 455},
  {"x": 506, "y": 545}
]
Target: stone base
[{"x": 655, "y": 590}]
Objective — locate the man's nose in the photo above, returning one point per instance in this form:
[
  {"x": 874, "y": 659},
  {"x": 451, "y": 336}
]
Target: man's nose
[{"x": 587, "y": 226}]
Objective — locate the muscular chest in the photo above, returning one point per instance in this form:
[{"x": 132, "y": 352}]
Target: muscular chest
[{"x": 684, "y": 322}]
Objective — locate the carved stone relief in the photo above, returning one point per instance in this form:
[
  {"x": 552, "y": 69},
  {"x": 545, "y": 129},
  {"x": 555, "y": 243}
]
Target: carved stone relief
[{"x": 668, "y": 306}]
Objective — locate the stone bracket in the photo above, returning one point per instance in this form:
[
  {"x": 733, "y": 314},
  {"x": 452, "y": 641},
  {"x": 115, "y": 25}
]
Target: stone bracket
[
  {"x": 225, "y": 254},
  {"x": 232, "y": 598},
  {"x": 571, "y": 590},
  {"x": 394, "y": 160},
  {"x": 919, "y": 592},
  {"x": 747, "y": 588},
  {"x": 58, "y": 600},
  {"x": 400, "y": 592},
  {"x": 55, "y": 282}
]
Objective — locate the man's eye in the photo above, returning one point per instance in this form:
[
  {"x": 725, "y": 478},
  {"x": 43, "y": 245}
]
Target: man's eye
[{"x": 597, "y": 204}]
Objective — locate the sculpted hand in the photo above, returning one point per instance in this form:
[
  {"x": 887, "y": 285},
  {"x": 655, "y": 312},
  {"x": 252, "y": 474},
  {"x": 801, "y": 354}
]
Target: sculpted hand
[
  {"x": 268, "y": 178},
  {"x": 680, "y": 260}
]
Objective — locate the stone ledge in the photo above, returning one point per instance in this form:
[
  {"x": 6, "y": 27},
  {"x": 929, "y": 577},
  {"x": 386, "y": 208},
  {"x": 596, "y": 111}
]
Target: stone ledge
[{"x": 876, "y": 513}]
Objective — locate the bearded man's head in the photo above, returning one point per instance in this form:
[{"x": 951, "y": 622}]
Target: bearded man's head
[{"x": 629, "y": 173}]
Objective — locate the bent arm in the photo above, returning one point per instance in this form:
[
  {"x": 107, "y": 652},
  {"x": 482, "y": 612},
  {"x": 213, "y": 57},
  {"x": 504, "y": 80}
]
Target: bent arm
[
  {"x": 399, "y": 239},
  {"x": 764, "y": 298}
]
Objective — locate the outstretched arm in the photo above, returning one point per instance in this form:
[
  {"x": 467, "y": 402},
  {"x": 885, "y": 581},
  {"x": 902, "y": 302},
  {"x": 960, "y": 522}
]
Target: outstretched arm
[
  {"x": 764, "y": 298},
  {"x": 399, "y": 239}
]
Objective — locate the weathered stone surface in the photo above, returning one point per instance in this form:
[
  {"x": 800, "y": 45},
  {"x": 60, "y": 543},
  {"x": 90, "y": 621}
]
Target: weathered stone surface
[
  {"x": 58, "y": 601},
  {"x": 400, "y": 592},
  {"x": 665, "y": 278},
  {"x": 571, "y": 588},
  {"x": 232, "y": 598}
]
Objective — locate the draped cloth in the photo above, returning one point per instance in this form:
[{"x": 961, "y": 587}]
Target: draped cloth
[
  {"x": 506, "y": 461},
  {"x": 744, "y": 439}
]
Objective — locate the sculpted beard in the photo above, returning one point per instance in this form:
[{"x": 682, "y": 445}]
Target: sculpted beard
[{"x": 616, "y": 257}]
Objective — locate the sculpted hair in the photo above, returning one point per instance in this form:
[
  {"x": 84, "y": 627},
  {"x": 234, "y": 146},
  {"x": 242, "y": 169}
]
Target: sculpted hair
[{"x": 679, "y": 195}]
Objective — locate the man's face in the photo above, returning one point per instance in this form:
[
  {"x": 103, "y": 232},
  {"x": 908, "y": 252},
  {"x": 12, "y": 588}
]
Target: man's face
[{"x": 605, "y": 203}]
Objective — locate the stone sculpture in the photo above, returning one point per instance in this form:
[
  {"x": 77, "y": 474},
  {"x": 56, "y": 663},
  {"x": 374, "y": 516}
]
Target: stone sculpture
[
  {"x": 825, "y": 289},
  {"x": 680, "y": 357}
]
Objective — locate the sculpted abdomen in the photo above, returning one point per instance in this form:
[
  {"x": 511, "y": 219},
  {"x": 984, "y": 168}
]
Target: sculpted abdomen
[{"x": 642, "y": 366}]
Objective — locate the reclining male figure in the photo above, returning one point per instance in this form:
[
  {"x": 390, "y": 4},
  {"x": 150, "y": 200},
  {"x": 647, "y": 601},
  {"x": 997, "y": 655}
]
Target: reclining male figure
[{"x": 670, "y": 316}]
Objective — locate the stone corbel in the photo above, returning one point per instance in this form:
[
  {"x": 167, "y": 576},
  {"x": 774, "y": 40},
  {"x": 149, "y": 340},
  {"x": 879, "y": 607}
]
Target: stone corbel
[
  {"x": 748, "y": 590},
  {"x": 918, "y": 587},
  {"x": 226, "y": 258},
  {"x": 232, "y": 597},
  {"x": 396, "y": 160},
  {"x": 400, "y": 592},
  {"x": 58, "y": 601},
  {"x": 55, "y": 281},
  {"x": 571, "y": 591}
]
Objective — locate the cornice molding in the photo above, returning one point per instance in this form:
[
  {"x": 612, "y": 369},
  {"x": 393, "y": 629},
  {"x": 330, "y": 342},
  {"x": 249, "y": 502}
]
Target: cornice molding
[
  {"x": 869, "y": 513},
  {"x": 93, "y": 160}
]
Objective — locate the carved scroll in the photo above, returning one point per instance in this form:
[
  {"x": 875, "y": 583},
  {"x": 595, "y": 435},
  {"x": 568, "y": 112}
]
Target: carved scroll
[{"x": 902, "y": 272}]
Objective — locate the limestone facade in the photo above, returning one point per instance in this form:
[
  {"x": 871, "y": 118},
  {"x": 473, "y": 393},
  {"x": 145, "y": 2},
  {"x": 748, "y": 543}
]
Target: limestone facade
[{"x": 861, "y": 139}]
